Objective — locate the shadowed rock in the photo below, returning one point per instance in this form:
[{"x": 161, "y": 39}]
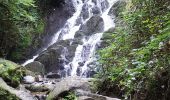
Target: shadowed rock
[
  {"x": 69, "y": 84},
  {"x": 58, "y": 54},
  {"x": 94, "y": 25},
  {"x": 36, "y": 67}
]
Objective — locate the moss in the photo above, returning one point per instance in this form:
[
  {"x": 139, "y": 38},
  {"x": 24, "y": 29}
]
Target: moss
[
  {"x": 5, "y": 95},
  {"x": 6, "y": 65},
  {"x": 11, "y": 72}
]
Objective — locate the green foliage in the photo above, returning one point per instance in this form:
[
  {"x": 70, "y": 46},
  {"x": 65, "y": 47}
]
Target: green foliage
[
  {"x": 13, "y": 77},
  {"x": 70, "y": 96},
  {"x": 11, "y": 72},
  {"x": 139, "y": 51},
  {"x": 5, "y": 95},
  {"x": 19, "y": 23},
  {"x": 67, "y": 95}
]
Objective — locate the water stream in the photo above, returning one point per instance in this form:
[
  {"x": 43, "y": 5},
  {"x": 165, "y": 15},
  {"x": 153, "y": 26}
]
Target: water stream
[{"x": 85, "y": 52}]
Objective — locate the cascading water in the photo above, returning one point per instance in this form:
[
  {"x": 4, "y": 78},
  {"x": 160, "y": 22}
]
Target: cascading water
[{"x": 85, "y": 52}]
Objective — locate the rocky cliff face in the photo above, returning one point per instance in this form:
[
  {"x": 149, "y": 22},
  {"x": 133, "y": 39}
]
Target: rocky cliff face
[
  {"x": 57, "y": 16},
  {"x": 73, "y": 32}
]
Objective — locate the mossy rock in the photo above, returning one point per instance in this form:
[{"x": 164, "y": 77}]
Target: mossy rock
[
  {"x": 5, "y": 95},
  {"x": 11, "y": 72},
  {"x": 6, "y": 65}
]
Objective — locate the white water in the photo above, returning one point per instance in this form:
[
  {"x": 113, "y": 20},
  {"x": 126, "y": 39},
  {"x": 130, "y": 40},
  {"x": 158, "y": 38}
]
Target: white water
[
  {"x": 86, "y": 52},
  {"x": 71, "y": 29},
  {"x": 92, "y": 41}
]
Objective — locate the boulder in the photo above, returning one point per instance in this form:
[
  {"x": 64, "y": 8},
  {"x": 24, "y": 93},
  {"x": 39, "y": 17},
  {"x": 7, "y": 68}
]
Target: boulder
[
  {"x": 94, "y": 25},
  {"x": 69, "y": 84},
  {"x": 11, "y": 72},
  {"x": 6, "y": 65},
  {"x": 36, "y": 67},
  {"x": 60, "y": 53},
  {"x": 51, "y": 58}
]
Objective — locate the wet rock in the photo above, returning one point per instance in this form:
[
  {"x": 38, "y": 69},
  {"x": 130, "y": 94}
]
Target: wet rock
[
  {"x": 104, "y": 5},
  {"x": 79, "y": 71},
  {"x": 94, "y": 1},
  {"x": 29, "y": 79},
  {"x": 71, "y": 52},
  {"x": 85, "y": 11},
  {"x": 76, "y": 41},
  {"x": 63, "y": 43},
  {"x": 79, "y": 21},
  {"x": 51, "y": 59},
  {"x": 94, "y": 25},
  {"x": 57, "y": 55},
  {"x": 53, "y": 75},
  {"x": 79, "y": 34},
  {"x": 117, "y": 7},
  {"x": 96, "y": 10},
  {"x": 57, "y": 16},
  {"x": 81, "y": 63},
  {"x": 36, "y": 67}
]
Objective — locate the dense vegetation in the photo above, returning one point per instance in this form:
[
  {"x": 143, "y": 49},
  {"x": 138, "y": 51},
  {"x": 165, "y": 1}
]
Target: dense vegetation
[
  {"x": 20, "y": 23},
  {"x": 5, "y": 95},
  {"x": 136, "y": 64}
]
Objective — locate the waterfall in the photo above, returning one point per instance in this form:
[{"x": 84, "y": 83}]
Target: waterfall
[{"x": 82, "y": 21}]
